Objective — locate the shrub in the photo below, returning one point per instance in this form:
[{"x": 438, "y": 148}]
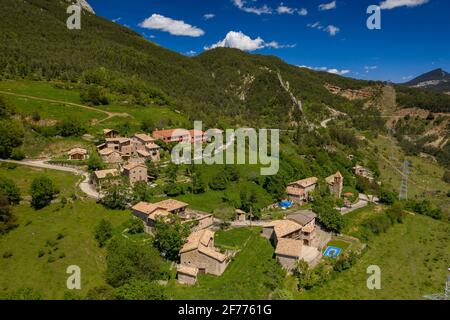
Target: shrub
[
  {"x": 103, "y": 232},
  {"x": 136, "y": 226},
  {"x": 42, "y": 192},
  {"x": 7, "y": 254}
]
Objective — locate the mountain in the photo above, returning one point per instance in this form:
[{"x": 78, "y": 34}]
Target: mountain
[
  {"x": 220, "y": 85},
  {"x": 437, "y": 80}
]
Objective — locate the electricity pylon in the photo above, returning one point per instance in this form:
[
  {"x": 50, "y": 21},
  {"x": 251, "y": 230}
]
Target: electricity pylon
[{"x": 403, "y": 194}]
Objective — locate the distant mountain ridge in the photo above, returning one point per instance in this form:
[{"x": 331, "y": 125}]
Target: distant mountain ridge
[{"x": 437, "y": 80}]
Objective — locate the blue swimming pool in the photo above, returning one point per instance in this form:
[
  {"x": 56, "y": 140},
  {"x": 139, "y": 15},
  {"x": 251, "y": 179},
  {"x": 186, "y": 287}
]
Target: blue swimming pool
[{"x": 332, "y": 252}]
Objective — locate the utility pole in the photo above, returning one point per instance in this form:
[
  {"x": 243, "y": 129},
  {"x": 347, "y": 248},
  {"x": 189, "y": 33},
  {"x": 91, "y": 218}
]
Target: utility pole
[{"x": 403, "y": 194}]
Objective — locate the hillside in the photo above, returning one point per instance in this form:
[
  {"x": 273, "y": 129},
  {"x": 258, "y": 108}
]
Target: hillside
[
  {"x": 222, "y": 87},
  {"x": 437, "y": 80},
  {"x": 224, "y": 81}
]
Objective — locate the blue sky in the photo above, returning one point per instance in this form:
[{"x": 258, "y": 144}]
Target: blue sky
[{"x": 322, "y": 34}]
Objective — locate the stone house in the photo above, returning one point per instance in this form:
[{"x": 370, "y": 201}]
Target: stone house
[
  {"x": 148, "y": 212},
  {"x": 77, "y": 154},
  {"x": 110, "y": 155},
  {"x": 154, "y": 151},
  {"x": 141, "y": 139},
  {"x": 110, "y": 133},
  {"x": 335, "y": 184},
  {"x": 122, "y": 145},
  {"x": 299, "y": 191},
  {"x": 363, "y": 172},
  {"x": 135, "y": 172},
  {"x": 199, "y": 252},
  {"x": 294, "y": 239},
  {"x": 289, "y": 251},
  {"x": 186, "y": 274},
  {"x": 99, "y": 176}
]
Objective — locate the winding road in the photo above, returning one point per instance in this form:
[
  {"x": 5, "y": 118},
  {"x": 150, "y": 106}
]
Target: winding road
[{"x": 84, "y": 185}]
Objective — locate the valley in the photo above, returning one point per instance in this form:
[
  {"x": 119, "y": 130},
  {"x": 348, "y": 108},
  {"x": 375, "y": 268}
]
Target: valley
[{"x": 89, "y": 122}]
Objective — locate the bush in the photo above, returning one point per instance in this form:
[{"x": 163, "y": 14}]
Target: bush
[
  {"x": 17, "y": 154},
  {"x": 136, "y": 226},
  {"x": 126, "y": 260},
  {"x": 140, "y": 290},
  {"x": 7, "y": 254},
  {"x": 94, "y": 95},
  {"x": 10, "y": 189},
  {"x": 42, "y": 191},
  {"x": 41, "y": 253},
  {"x": 103, "y": 232}
]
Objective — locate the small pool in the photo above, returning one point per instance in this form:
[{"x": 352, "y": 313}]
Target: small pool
[
  {"x": 332, "y": 252},
  {"x": 286, "y": 204}
]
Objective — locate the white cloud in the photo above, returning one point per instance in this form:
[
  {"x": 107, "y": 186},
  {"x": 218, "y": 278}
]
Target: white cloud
[
  {"x": 174, "y": 27},
  {"x": 327, "y": 6},
  {"x": 282, "y": 9},
  {"x": 116, "y": 19},
  {"x": 332, "y": 30},
  {"x": 329, "y": 70},
  {"x": 370, "y": 68},
  {"x": 239, "y": 40},
  {"x": 302, "y": 12},
  {"x": 209, "y": 16},
  {"x": 242, "y": 4},
  {"x": 190, "y": 53},
  {"x": 392, "y": 4}
]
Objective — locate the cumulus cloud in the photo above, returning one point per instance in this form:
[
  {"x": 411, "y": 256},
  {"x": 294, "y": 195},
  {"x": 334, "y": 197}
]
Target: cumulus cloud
[
  {"x": 242, "y": 5},
  {"x": 327, "y": 6},
  {"x": 330, "y": 29},
  {"x": 329, "y": 70},
  {"x": 302, "y": 12},
  {"x": 239, "y": 40},
  {"x": 174, "y": 27},
  {"x": 392, "y": 4},
  {"x": 282, "y": 9},
  {"x": 209, "y": 16}
]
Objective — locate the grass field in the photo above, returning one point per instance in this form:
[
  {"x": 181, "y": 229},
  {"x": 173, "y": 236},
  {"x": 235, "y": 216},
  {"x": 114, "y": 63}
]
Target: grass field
[
  {"x": 23, "y": 177},
  {"x": 233, "y": 239},
  {"x": 245, "y": 277},
  {"x": 39, "y": 231},
  {"x": 413, "y": 257},
  {"x": 425, "y": 180}
]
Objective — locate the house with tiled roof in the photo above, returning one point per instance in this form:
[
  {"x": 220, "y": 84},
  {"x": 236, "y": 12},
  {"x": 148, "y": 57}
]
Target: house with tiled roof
[
  {"x": 99, "y": 176},
  {"x": 110, "y": 155},
  {"x": 149, "y": 212},
  {"x": 199, "y": 252},
  {"x": 135, "y": 172},
  {"x": 299, "y": 191},
  {"x": 335, "y": 184},
  {"x": 294, "y": 238},
  {"x": 110, "y": 133},
  {"x": 77, "y": 154}
]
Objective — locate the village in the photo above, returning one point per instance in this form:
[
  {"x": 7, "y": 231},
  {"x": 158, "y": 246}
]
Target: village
[{"x": 296, "y": 237}]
